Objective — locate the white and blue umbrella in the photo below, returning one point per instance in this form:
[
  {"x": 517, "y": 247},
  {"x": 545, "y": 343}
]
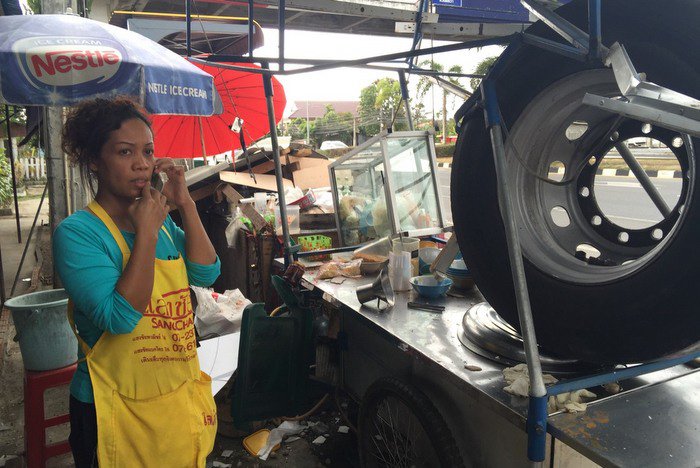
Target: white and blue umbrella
[{"x": 60, "y": 60}]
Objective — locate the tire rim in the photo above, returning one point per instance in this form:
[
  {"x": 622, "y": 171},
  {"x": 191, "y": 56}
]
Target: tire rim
[{"x": 563, "y": 230}]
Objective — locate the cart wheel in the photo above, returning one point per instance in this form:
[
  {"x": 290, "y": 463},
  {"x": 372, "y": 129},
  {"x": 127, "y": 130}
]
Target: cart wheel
[
  {"x": 600, "y": 291},
  {"x": 399, "y": 426}
]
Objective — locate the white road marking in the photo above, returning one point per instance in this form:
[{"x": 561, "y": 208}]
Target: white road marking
[
  {"x": 634, "y": 219},
  {"x": 620, "y": 184}
]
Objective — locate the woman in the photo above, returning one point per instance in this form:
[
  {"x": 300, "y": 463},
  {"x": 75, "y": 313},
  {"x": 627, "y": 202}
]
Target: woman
[{"x": 138, "y": 397}]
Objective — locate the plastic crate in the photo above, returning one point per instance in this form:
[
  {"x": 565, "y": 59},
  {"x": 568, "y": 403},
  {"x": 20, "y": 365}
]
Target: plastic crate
[{"x": 315, "y": 242}]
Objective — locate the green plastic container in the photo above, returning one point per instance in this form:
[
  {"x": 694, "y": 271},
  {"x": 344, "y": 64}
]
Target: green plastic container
[{"x": 44, "y": 334}]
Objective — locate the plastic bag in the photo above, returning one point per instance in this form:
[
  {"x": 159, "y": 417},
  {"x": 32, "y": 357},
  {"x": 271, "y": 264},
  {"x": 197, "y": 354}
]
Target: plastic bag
[
  {"x": 233, "y": 228},
  {"x": 332, "y": 269},
  {"x": 218, "y": 314}
]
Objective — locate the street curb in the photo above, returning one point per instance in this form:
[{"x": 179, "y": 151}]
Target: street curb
[{"x": 659, "y": 174}]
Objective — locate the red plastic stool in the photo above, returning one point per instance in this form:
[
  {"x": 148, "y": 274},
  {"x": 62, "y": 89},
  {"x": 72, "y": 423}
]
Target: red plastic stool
[{"x": 35, "y": 384}]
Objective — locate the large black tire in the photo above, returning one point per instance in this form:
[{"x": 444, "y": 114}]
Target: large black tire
[
  {"x": 381, "y": 398},
  {"x": 637, "y": 317}
]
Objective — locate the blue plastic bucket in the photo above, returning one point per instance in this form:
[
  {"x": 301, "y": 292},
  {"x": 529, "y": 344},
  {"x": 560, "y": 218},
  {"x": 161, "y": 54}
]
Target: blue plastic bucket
[{"x": 44, "y": 334}]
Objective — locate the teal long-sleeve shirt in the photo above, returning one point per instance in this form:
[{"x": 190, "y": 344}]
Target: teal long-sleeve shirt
[{"x": 89, "y": 263}]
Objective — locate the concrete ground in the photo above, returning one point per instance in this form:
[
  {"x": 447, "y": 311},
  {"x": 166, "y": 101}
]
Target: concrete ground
[{"x": 338, "y": 450}]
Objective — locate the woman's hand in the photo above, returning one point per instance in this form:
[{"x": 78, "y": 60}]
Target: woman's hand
[
  {"x": 175, "y": 189},
  {"x": 148, "y": 213}
]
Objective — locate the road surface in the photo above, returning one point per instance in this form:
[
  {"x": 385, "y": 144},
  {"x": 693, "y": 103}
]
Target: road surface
[{"x": 621, "y": 199}]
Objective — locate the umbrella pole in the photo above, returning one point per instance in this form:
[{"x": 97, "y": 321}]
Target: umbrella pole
[
  {"x": 12, "y": 171},
  {"x": 201, "y": 138},
  {"x": 267, "y": 84}
]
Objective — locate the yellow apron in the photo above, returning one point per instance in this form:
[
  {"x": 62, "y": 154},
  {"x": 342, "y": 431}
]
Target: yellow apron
[{"x": 154, "y": 406}]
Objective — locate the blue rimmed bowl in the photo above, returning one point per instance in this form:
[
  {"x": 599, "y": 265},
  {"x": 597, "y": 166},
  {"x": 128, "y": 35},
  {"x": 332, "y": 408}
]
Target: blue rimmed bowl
[{"x": 429, "y": 286}]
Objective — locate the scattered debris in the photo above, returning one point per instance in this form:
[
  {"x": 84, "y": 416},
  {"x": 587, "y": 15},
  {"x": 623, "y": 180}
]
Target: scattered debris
[
  {"x": 291, "y": 439},
  {"x": 222, "y": 465},
  {"x": 320, "y": 428},
  {"x": 571, "y": 402},
  {"x": 612, "y": 387},
  {"x": 287, "y": 428},
  {"x": 319, "y": 440},
  {"x": 6, "y": 458},
  {"x": 343, "y": 429},
  {"x": 473, "y": 368},
  {"x": 518, "y": 382},
  {"x": 227, "y": 453}
]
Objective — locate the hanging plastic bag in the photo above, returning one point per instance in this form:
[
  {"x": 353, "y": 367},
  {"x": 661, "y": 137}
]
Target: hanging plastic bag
[
  {"x": 218, "y": 314},
  {"x": 234, "y": 228}
]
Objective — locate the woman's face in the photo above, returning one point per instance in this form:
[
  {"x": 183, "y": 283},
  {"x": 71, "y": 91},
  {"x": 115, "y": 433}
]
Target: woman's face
[{"x": 126, "y": 160}]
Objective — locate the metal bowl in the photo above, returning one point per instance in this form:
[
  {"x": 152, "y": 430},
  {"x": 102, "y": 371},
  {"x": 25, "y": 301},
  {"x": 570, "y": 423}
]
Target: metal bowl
[{"x": 372, "y": 268}]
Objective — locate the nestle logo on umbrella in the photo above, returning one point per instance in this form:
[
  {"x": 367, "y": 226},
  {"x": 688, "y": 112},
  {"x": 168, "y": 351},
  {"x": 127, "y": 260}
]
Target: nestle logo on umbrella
[{"x": 61, "y": 64}]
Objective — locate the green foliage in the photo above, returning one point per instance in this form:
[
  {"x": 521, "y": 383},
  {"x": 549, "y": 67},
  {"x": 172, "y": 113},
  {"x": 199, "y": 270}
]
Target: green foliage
[
  {"x": 333, "y": 126},
  {"x": 5, "y": 181},
  {"x": 444, "y": 151},
  {"x": 378, "y": 102},
  {"x": 425, "y": 84},
  {"x": 35, "y": 5},
  {"x": 297, "y": 129},
  {"x": 481, "y": 69}
]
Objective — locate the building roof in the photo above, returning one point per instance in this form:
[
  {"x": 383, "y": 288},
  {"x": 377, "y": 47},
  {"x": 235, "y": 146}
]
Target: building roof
[{"x": 317, "y": 109}]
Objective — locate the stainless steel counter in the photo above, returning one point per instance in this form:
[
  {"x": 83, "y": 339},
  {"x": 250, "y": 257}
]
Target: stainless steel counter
[{"x": 617, "y": 430}]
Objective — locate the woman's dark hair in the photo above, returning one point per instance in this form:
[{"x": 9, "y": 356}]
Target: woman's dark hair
[{"x": 88, "y": 126}]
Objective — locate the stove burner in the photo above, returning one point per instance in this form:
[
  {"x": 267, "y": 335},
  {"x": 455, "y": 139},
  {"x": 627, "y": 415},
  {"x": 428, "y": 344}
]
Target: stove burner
[{"x": 485, "y": 333}]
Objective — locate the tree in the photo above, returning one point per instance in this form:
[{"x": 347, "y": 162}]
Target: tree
[
  {"x": 481, "y": 69},
  {"x": 297, "y": 129},
  {"x": 378, "y": 103},
  {"x": 333, "y": 126},
  {"x": 425, "y": 84}
]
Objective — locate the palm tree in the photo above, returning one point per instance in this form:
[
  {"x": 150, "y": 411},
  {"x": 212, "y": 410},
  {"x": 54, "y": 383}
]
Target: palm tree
[
  {"x": 425, "y": 84},
  {"x": 482, "y": 69}
]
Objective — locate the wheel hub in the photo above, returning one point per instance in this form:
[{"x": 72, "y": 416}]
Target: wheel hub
[{"x": 564, "y": 231}]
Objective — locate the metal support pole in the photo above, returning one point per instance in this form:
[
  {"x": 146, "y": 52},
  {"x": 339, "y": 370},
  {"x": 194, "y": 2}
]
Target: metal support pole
[
  {"x": 188, "y": 25},
  {"x": 594, "y": 30},
  {"x": 536, "y": 423},
  {"x": 3, "y": 298},
  {"x": 404, "y": 95},
  {"x": 251, "y": 27},
  {"x": 643, "y": 179},
  {"x": 26, "y": 246},
  {"x": 267, "y": 83},
  {"x": 418, "y": 33},
  {"x": 11, "y": 150},
  {"x": 280, "y": 28}
]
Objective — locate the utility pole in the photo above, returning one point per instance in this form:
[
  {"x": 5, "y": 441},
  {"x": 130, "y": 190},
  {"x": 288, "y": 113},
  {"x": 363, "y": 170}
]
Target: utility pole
[
  {"x": 354, "y": 131},
  {"x": 444, "y": 116},
  {"x": 55, "y": 165},
  {"x": 308, "y": 140}
]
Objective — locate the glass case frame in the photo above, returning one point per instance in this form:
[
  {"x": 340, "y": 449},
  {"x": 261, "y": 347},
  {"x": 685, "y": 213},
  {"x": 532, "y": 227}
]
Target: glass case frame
[{"x": 365, "y": 161}]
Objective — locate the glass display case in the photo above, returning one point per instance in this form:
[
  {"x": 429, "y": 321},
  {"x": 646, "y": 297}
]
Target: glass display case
[{"x": 387, "y": 186}]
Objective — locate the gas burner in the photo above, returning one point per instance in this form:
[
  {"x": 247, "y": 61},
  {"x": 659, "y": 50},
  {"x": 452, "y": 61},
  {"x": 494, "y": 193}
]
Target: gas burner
[{"x": 485, "y": 333}]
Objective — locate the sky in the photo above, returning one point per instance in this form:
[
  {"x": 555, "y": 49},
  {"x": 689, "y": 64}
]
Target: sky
[{"x": 345, "y": 84}]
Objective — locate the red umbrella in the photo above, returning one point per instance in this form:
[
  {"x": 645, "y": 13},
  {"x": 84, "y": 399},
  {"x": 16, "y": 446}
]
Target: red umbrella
[{"x": 242, "y": 95}]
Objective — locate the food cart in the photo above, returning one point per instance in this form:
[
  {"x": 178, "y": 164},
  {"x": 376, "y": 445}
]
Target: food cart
[
  {"x": 426, "y": 391},
  {"x": 426, "y": 352}
]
